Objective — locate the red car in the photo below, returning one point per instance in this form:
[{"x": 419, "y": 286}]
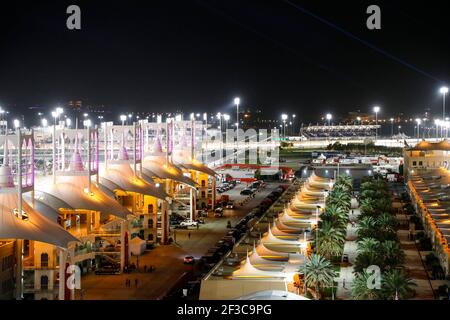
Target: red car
[{"x": 189, "y": 260}]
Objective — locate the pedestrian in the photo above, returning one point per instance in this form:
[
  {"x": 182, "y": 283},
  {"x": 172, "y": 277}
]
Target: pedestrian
[
  {"x": 136, "y": 282},
  {"x": 145, "y": 268},
  {"x": 126, "y": 283},
  {"x": 343, "y": 283},
  {"x": 198, "y": 226},
  {"x": 189, "y": 235}
]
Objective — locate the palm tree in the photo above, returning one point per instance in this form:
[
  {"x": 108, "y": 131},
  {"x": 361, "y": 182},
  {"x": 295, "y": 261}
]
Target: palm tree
[
  {"x": 335, "y": 215},
  {"x": 396, "y": 284},
  {"x": 330, "y": 241},
  {"x": 365, "y": 259},
  {"x": 392, "y": 253},
  {"x": 341, "y": 199},
  {"x": 367, "y": 228},
  {"x": 361, "y": 290},
  {"x": 345, "y": 181},
  {"x": 318, "y": 273},
  {"x": 387, "y": 224},
  {"x": 368, "y": 245}
]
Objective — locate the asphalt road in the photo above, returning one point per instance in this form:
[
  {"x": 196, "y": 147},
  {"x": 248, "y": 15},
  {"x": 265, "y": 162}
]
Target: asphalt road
[{"x": 168, "y": 260}]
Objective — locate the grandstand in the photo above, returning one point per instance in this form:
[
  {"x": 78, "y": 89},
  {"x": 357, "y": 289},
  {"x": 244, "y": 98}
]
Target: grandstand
[{"x": 339, "y": 131}]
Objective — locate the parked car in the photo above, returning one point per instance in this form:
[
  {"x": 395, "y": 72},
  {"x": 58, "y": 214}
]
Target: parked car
[
  {"x": 189, "y": 260},
  {"x": 218, "y": 212},
  {"x": 246, "y": 192},
  {"x": 230, "y": 205},
  {"x": 188, "y": 223}
]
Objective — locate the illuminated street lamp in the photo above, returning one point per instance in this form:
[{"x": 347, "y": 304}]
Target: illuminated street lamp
[
  {"x": 16, "y": 123},
  {"x": 68, "y": 122},
  {"x": 44, "y": 122},
  {"x": 443, "y": 91},
  {"x": 418, "y": 121},
  {"x": 329, "y": 117},
  {"x": 376, "y": 109},
  {"x": 226, "y": 117},
  {"x": 284, "y": 117},
  {"x": 237, "y": 102},
  {"x": 392, "y": 127},
  {"x": 123, "y": 118}
]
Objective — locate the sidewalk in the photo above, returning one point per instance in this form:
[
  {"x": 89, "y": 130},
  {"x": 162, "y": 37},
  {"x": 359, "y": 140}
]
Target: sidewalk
[
  {"x": 415, "y": 268},
  {"x": 350, "y": 247}
]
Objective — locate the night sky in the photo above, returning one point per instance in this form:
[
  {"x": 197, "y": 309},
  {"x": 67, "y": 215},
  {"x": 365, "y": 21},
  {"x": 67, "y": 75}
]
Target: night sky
[{"x": 304, "y": 57}]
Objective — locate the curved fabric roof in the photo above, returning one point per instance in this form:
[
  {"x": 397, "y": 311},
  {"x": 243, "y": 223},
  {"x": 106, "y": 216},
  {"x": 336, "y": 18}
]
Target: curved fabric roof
[
  {"x": 71, "y": 190},
  {"x": 280, "y": 233},
  {"x": 256, "y": 259},
  {"x": 158, "y": 168},
  {"x": 36, "y": 227},
  {"x": 247, "y": 270},
  {"x": 123, "y": 176},
  {"x": 269, "y": 238},
  {"x": 197, "y": 166}
]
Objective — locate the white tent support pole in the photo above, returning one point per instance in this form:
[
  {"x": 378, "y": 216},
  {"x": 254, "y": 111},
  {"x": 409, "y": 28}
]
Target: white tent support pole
[
  {"x": 89, "y": 159},
  {"x": 54, "y": 153}
]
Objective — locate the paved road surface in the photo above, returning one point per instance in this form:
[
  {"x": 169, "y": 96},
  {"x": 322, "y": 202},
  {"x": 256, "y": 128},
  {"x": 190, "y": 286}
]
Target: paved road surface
[{"x": 168, "y": 260}]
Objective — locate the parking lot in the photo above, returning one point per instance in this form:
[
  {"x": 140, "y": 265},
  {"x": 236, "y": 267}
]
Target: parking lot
[{"x": 168, "y": 260}]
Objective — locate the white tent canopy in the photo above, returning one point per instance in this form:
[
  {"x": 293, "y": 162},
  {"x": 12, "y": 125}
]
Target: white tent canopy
[
  {"x": 32, "y": 226},
  {"x": 123, "y": 176},
  {"x": 73, "y": 191},
  {"x": 137, "y": 246}
]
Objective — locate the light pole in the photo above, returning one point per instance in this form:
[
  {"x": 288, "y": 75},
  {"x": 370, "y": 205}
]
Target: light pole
[
  {"x": 317, "y": 229},
  {"x": 392, "y": 127},
  {"x": 123, "y": 118},
  {"x": 329, "y": 117},
  {"x": 226, "y": 117},
  {"x": 284, "y": 118},
  {"x": 44, "y": 125},
  {"x": 376, "y": 109},
  {"x": 443, "y": 91},
  {"x": 237, "y": 102},
  {"x": 418, "y": 121},
  {"x": 293, "y": 124},
  {"x": 436, "y": 123}
]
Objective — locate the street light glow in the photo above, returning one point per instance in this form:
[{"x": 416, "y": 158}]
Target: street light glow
[
  {"x": 44, "y": 122},
  {"x": 329, "y": 116},
  {"x": 376, "y": 109},
  {"x": 443, "y": 90},
  {"x": 284, "y": 117},
  {"x": 16, "y": 123},
  {"x": 237, "y": 101},
  {"x": 123, "y": 117}
]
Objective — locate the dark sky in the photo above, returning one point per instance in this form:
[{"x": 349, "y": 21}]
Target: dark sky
[{"x": 307, "y": 57}]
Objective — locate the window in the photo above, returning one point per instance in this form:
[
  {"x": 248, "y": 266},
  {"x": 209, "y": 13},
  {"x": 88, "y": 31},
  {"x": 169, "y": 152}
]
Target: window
[
  {"x": 420, "y": 163},
  {"x": 44, "y": 260},
  {"x": 203, "y": 194},
  {"x": 203, "y": 183},
  {"x": 44, "y": 282},
  {"x": 414, "y": 163}
]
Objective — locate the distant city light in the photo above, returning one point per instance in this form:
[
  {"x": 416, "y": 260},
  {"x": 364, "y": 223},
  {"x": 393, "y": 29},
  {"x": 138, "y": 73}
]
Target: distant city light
[
  {"x": 44, "y": 122},
  {"x": 16, "y": 123}
]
